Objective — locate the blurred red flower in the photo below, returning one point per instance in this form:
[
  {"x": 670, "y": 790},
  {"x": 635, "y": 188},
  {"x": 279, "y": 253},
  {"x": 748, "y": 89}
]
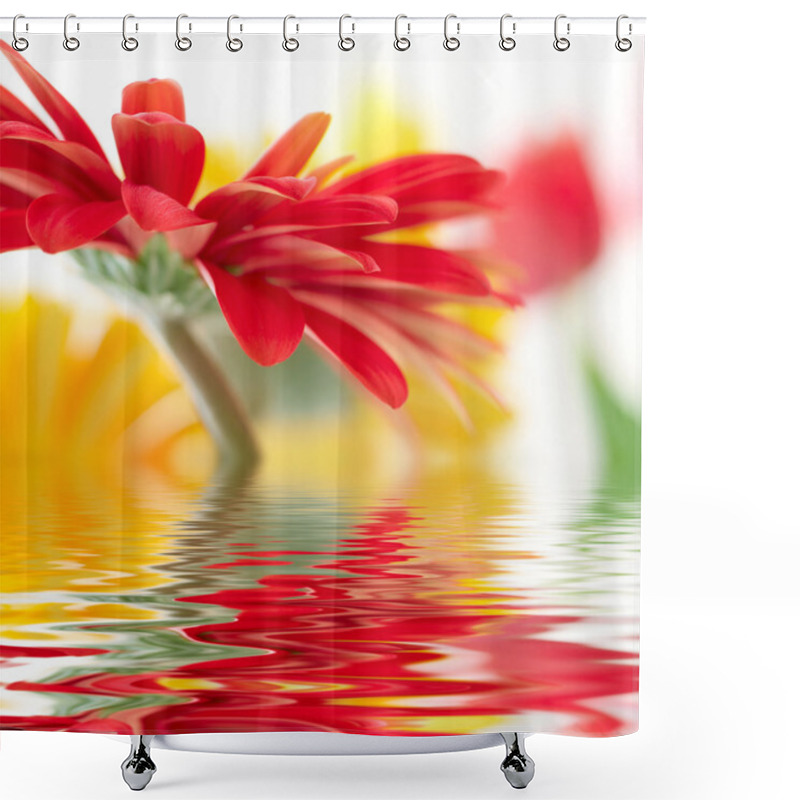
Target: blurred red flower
[{"x": 550, "y": 224}]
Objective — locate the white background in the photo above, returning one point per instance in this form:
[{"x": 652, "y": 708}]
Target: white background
[{"x": 720, "y": 704}]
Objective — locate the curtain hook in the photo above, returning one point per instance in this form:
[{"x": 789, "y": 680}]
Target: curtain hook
[
  {"x": 451, "y": 42},
  {"x": 346, "y": 42},
  {"x": 183, "y": 43},
  {"x": 233, "y": 44},
  {"x": 70, "y": 42},
  {"x": 19, "y": 43},
  {"x": 129, "y": 43},
  {"x": 507, "y": 42},
  {"x": 623, "y": 45},
  {"x": 401, "y": 42},
  {"x": 290, "y": 44},
  {"x": 561, "y": 43}
]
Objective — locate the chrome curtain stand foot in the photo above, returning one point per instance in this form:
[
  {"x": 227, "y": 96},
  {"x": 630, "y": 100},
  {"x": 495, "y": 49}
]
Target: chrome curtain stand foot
[
  {"x": 517, "y": 766},
  {"x": 138, "y": 768}
]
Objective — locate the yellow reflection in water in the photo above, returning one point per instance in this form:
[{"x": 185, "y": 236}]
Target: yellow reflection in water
[{"x": 87, "y": 409}]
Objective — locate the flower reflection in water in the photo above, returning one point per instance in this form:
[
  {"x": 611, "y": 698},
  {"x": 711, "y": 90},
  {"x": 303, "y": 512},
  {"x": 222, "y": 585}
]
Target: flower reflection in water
[{"x": 280, "y": 609}]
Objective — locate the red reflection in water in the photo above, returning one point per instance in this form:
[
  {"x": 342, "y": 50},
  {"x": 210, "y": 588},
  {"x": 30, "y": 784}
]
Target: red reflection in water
[{"x": 368, "y": 650}]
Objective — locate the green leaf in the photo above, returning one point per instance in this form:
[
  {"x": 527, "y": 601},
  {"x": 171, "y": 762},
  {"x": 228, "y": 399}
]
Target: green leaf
[
  {"x": 158, "y": 278},
  {"x": 620, "y": 431}
]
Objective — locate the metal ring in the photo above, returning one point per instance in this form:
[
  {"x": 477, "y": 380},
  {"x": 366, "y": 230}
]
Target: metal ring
[
  {"x": 290, "y": 44},
  {"x": 451, "y": 42},
  {"x": 561, "y": 43},
  {"x": 401, "y": 42},
  {"x": 19, "y": 43},
  {"x": 183, "y": 43},
  {"x": 233, "y": 44},
  {"x": 507, "y": 42},
  {"x": 71, "y": 43},
  {"x": 345, "y": 42},
  {"x": 623, "y": 45},
  {"x": 129, "y": 43}
]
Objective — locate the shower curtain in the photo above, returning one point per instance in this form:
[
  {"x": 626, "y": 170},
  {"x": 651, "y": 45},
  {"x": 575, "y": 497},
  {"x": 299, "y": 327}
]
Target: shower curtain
[{"x": 320, "y": 379}]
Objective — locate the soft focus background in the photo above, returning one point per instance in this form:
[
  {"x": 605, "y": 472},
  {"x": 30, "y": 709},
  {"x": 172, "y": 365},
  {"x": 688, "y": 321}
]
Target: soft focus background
[{"x": 719, "y": 606}]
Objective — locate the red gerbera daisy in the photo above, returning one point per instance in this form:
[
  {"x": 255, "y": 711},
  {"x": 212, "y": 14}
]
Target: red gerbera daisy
[{"x": 285, "y": 255}]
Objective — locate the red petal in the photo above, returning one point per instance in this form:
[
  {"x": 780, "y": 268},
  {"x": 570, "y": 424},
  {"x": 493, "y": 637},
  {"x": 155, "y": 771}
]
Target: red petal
[
  {"x": 335, "y": 212},
  {"x": 289, "y": 154},
  {"x": 401, "y": 324},
  {"x": 265, "y": 319},
  {"x": 17, "y": 129},
  {"x": 155, "y": 94},
  {"x": 368, "y": 362},
  {"x": 244, "y": 202},
  {"x": 289, "y": 255},
  {"x": 156, "y": 211},
  {"x": 12, "y": 108},
  {"x": 431, "y": 329},
  {"x": 405, "y": 173},
  {"x": 426, "y": 187},
  {"x": 62, "y": 164},
  {"x": 330, "y": 168},
  {"x": 69, "y": 121},
  {"x": 190, "y": 241},
  {"x": 58, "y": 222},
  {"x": 283, "y": 188},
  {"x": 428, "y": 267},
  {"x": 13, "y": 197},
  {"x": 465, "y": 186},
  {"x": 13, "y": 231},
  {"x": 427, "y": 213},
  {"x": 156, "y": 150},
  {"x": 368, "y": 263}
]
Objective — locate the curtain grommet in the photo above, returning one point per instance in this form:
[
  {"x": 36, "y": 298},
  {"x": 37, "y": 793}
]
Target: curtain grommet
[
  {"x": 233, "y": 44},
  {"x": 451, "y": 43},
  {"x": 182, "y": 43},
  {"x": 129, "y": 43},
  {"x": 346, "y": 43},
  {"x": 71, "y": 43},
  {"x": 289, "y": 44},
  {"x": 507, "y": 42},
  {"x": 561, "y": 43},
  {"x": 19, "y": 43},
  {"x": 401, "y": 43},
  {"x": 623, "y": 44}
]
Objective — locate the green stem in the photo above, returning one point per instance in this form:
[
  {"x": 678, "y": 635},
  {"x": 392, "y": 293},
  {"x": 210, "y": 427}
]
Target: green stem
[
  {"x": 219, "y": 408},
  {"x": 166, "y": 293}
]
